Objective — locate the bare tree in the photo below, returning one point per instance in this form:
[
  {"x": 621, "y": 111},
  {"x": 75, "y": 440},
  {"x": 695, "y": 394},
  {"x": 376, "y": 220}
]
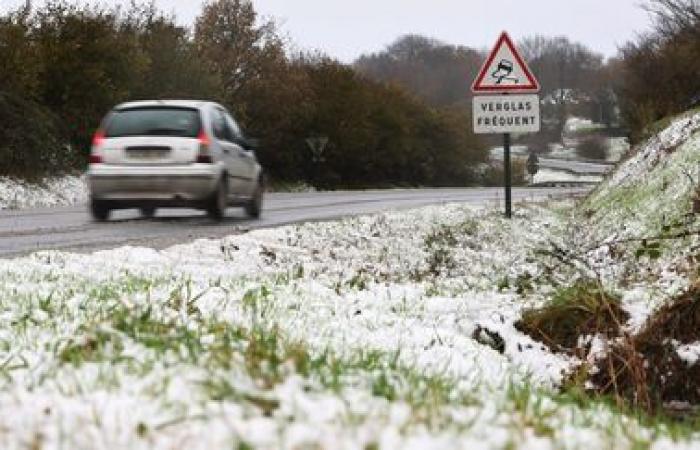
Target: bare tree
[
  {"x": 660, "y": 67},
  {"x": 674, "y": 16},
  {"x": 435, "y": 71},
  {"x": 561, "y": 64}
]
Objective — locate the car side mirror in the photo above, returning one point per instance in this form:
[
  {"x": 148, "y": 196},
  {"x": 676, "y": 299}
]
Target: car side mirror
[
  {"x": 251, "y": 144},
  {"x": 247, "y": 144}
]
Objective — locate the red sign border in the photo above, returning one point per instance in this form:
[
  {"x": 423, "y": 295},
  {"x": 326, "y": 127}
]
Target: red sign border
[{"x": 534, "y": 86}]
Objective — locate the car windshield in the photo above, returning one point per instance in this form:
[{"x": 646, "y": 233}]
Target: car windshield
[{"x": 179, "y": 122}]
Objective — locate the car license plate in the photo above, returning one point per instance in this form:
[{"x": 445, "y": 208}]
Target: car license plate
[{"x": 147, "y": 153}]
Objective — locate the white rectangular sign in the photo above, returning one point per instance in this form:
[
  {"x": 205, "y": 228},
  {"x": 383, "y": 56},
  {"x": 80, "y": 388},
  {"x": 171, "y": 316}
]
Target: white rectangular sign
[{"x": 498, "y": 114}]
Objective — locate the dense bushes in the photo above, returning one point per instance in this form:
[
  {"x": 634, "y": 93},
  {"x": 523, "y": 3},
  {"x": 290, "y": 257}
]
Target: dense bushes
[
  {"x": 65, "y": 65},
  {"x": 30, "y": 142},
  {"x": 380, "y": 135},
  {"x": 593, "y": 147}
]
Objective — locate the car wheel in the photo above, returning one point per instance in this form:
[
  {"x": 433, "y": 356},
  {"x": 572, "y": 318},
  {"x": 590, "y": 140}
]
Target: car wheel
[
  {"x": 99, "y": 210},
  {"x": 219, "y": 201},
  {"x": 254, "y": 207},
  {"x": 148, "y": 212}
]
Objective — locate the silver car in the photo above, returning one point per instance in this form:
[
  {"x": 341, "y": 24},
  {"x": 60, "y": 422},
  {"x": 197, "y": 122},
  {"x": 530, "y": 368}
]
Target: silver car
[{"x": 190, "y": 154}]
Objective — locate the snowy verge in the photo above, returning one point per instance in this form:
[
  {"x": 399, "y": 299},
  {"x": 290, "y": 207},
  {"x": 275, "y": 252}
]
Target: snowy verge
[
  {"x": 60, "y": 191},
  {"x": 651, "y": 190},
  {"x": 386, "y": 331}
]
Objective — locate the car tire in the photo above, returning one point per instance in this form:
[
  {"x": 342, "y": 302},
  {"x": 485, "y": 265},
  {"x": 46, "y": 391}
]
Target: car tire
[
  {"x": 218, "y": 202},
  {"x": 99, "y": 210},
  {"x": 148, "y": 212},
  {"x": 254, "y": 207}
]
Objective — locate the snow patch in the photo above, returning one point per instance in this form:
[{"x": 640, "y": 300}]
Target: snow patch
[
  {"x": 63, "y": 191},
  {"x": 689, "y": 353}
]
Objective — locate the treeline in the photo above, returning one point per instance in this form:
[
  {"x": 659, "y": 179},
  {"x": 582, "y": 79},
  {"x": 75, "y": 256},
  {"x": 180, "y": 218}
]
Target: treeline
[
  {"x": 652, "y": 77},
  {"x": 64, "y": 65},
  {"x": 660, "y": 69},
  {"x": 439, "y": 73},
  {"x": 575, "y": 81}
]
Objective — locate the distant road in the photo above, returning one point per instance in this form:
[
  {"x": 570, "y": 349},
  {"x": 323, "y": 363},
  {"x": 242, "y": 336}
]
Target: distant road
[
  {"x": 71, "y": 228},
  {"x": 577, "y": 167},
  {"x": 569, "y": 166}
]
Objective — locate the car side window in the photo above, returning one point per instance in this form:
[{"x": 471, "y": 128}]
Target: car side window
[
  {"x": 219, "y": 126},
  {"x": 233, "y": 126}
]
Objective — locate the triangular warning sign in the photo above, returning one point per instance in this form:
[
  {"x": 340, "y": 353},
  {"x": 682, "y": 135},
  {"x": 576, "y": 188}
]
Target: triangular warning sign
[{"x": 505, "y": 71}]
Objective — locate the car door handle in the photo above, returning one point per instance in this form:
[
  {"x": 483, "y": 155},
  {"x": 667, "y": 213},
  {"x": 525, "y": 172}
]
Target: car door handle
[{"x": 227, "y": 151}]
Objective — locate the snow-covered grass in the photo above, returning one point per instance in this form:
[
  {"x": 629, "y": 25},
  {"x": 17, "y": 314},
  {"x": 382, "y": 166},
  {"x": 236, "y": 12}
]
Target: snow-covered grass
[
  {"x": 289, "y": 186},
  {"x": 649, "y": 196},
  {"x": 395, "y": 330},
  {"x": 59, "y": 191},
  {"x": 617, "y": 148},
  {"x": 637, "y": 236},
  {"x": 654, "y": 188},
  {"x": 372, "y": 332}
]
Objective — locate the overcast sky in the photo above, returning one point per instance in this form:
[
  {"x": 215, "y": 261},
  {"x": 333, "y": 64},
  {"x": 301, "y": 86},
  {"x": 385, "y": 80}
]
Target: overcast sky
[{"x": 347, "y": 28}]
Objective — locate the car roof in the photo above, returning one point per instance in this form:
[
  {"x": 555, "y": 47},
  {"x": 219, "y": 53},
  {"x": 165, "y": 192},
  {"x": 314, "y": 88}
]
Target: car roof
[{"x": 194, "y": 104}]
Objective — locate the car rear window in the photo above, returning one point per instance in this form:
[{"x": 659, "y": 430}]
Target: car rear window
[{"x": 179, "y": 122}]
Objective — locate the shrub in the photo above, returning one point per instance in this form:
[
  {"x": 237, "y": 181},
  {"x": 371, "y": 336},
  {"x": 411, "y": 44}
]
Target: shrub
[
  {"x": 493, "y": 175},
  {"x": 379, "y": 134},
  {"x": 593, "y": 147},
  {"x": 30, "y": 144},
  {"x": 580, "y": 310}
]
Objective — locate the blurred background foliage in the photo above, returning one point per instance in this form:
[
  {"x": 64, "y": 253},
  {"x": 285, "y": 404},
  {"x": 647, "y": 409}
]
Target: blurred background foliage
[{"x": 399, "y": 117}]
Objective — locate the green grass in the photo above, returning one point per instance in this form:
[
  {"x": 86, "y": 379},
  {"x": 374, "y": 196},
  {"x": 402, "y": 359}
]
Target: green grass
[
  {"x": 221, "y": 352},
  {"x": 540, "y": 410},
  {"x": 261, "y": 352},
  {"x": 660, "y": 424},
  {"x": 440, "y": 243},
  {"x": 268, "y": 358}
]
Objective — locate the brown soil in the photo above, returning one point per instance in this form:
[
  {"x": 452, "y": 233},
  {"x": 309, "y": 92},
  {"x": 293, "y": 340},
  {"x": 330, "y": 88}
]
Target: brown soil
[
  {"x": 679, "y": 320},
  {"x": 646, "y": 369}
]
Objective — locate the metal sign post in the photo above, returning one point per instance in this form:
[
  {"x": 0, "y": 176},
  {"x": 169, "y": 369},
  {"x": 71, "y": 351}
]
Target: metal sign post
[
  {"x": 505, "y": 72},
  {"x": 317, "y": 145},
  {"x": 508, "y": 175}
]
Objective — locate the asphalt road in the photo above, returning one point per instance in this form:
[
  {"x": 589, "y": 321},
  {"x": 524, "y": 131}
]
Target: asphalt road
[{"x": 71, "y": 228}]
